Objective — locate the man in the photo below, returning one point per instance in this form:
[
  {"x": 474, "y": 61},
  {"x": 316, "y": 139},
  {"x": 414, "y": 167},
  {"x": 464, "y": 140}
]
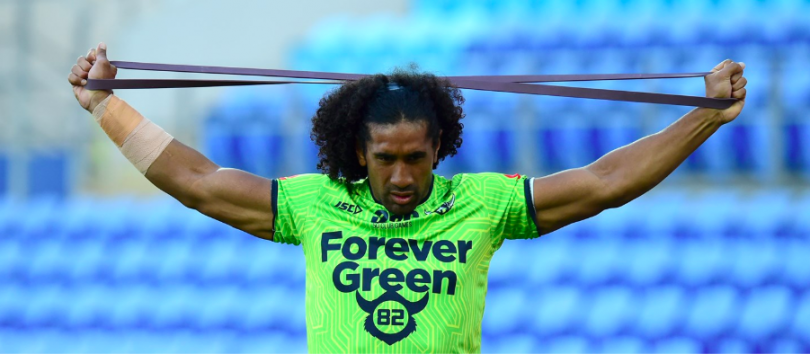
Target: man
[{"x": 396, "y": 256}]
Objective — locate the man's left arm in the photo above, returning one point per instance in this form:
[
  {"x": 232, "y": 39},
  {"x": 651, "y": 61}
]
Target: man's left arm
[{"x": 630, "y": 171}]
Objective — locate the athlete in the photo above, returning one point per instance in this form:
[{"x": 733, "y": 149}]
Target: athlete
[{"x": 396, "y": 256}]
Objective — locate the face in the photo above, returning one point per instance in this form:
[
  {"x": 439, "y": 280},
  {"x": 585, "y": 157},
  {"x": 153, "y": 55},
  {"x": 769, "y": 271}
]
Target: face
[{"x": 400, "y": 159}]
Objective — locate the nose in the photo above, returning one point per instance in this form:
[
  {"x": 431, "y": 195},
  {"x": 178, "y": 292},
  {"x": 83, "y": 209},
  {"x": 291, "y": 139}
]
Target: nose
[{"x": 401, "y": 176}]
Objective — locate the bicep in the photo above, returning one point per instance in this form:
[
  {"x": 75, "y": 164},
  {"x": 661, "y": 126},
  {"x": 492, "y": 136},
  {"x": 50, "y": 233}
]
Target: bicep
[
  {"x": 238, "y": 198},
  {"x": 566, "y": 197}
]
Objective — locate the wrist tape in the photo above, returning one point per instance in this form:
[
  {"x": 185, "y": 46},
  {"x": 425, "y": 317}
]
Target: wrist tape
[{"x": 140, "y": 140}]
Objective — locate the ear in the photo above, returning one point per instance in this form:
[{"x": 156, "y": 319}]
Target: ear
[
  {"x": 436, "y": 149},
  {"x": 361, "y": 156}
]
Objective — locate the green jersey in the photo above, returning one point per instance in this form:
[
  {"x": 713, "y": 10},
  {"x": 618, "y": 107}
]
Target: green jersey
[{"x": 383, "y": 283}]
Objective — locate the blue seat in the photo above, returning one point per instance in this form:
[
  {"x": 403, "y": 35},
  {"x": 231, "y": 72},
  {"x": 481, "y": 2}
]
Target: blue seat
[
  {"x": 645, "y": 262},
  {"x": 623, "y": 344},
  {"x": 560, "y": 141},
  {"x": 264, "y": 306},
  {"x": 13, "y": 300},
  {"x": 42, "y": 305},
  {"x": 270, "y": 342},
  {"x": 49, "y": 260},
  {"x": 278, "y": 308},
  {"x": 551, "y": 261},
  {"x": 755, "y": 261},
  {"x": 171, "y": 260},
  {"x": 221, "y": 306},
  {"x": 733, "y": 346},
  {"x": 13, "y": 263},
  {"x": 85, "y": 260},
  {"x": 49, "y": 173},
  {"x": 702, "y": 261},
  {"x": 135, "y": 306},
  {"x": 87, "y": 306},
  {"x": 224, "y": 260},
  {"x": 794, "y": 260},
  {"x": 713, "y": 311},
  {"x": 178, "y": 306},
  {"x": 768, "y": 212},
  {"x": 557, "y": 309},
  {"x": 520, "y": 343},
  {"x": 766, "y": 312},
  {"x": 660, "y": 311},
  {"x": 505, "y": 311},
  {"x": 795, "y": 88},
  {"x": 600, "y": 260},
  {"x": 612, "y": 310},
  {"x": 569, "y": 344},
  {"x": 678, "y": 345},
  {"x": 502, "y": 267},
  {"x": 786, "y": 345}
]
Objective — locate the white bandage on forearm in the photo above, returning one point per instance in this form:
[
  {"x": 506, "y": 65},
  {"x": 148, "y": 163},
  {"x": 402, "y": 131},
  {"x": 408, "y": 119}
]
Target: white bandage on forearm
[{"x": 140, "y": 140}]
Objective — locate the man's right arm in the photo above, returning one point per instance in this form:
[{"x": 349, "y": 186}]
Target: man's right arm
[{"x": 237, "y": 198}]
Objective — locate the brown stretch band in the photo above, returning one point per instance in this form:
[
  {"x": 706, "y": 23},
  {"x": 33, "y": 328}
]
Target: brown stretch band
[{"x": 510, "y": 83}]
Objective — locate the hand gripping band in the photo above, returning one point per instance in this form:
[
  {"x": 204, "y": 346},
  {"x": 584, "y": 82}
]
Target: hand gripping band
[{"x": 507, "y": 83}]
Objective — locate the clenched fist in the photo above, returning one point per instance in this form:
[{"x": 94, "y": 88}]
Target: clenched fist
[
  {"x": 727, "y": 81},
  {"x": 92, "y": 66}
]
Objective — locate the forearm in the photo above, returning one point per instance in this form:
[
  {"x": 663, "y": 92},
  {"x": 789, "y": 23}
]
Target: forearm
[
  {"x": 171, "y": 166},
  {"x": 632, "y": 170}
]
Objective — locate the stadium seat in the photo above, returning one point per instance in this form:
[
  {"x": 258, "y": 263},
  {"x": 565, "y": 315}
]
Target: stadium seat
[
  {"x": 551, "y": 261},
  {"x": 713, "y": 310},
  {"x": 13, "y": 263},
  {"x": 785, "y": 345},
  {"x": 136, "y": 303},
  {"x": 613, "y": 308},
  {"x": 505, "y": 311},
  {"x": 648, "y": 261},
  {"x": 42, "y": 306},
  {"x": 90, "y": 306},
  {"x": 178, "y": 307},
  {"x": 623, "y": 344},
  {"x": 766, "y": 311},
  {"x": 800, "y": 324},
  {"x": 755, "y": 262},
  {"x": 219, "y": 307},
  {"x": 732, "y": 345},
  {"x": 601, "y": 260},
  {"x": 520, "y": 343},
  {"x": 661, "y": 311},
  {"x": 557, "y": 309},
  {"x": 677, "y": 345},
  {"x": 702, "y": 261},
  {"x": 794, "y": 261},
  {"x": 49, "y": 173},
  {"x": 568, "y": 344}
]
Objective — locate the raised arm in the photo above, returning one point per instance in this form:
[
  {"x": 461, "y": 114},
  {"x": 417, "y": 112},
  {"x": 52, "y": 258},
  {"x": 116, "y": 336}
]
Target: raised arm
[
  {"x": 237, "y": 198},
  {"x": 628, "y": 172}
]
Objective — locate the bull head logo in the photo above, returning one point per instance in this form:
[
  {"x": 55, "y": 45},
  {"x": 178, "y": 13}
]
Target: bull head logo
[{"x": 411, "y": 308}]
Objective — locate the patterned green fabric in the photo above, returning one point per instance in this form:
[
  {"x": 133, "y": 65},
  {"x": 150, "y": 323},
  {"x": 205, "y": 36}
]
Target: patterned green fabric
[{"x": 399, "y": 284}]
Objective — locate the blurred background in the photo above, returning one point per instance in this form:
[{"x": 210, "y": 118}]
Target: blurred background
[{"x": 715, "y": 259}]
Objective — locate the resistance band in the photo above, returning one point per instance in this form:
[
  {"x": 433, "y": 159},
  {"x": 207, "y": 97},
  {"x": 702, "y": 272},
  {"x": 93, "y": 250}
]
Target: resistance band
[{"x": 506, "y": 83}]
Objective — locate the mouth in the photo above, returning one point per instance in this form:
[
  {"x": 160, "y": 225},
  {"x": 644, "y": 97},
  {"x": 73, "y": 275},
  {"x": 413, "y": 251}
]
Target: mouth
[{"x": 401, "y": 198}]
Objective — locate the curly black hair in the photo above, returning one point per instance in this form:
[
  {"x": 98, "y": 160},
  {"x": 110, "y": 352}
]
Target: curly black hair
[{"x": 343, "y": 115}]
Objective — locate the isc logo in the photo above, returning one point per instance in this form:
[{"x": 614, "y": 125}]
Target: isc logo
[{"x": 349, "y": 208}]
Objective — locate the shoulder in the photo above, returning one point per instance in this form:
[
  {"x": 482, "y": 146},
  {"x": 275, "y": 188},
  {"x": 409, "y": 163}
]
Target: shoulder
[
  {"x": 316, "y": 183},
  {"x": 486, "y": 179}
]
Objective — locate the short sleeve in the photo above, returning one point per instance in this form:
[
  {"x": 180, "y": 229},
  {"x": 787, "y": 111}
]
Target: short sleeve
[
  {"x": 511, "y": 204},
  {"x": 291, "y": 197}
]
